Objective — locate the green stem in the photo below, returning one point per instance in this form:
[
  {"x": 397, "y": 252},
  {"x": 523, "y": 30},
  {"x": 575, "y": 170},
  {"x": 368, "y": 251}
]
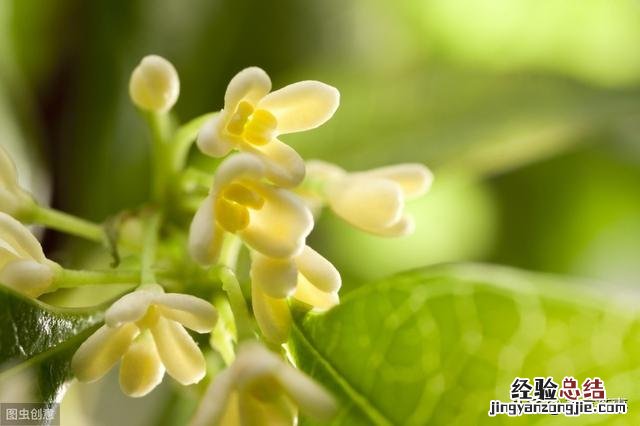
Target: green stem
[
  {"x": 195, "y": 181},
  {"x": 150, "y": 245},
  {"x": 70, "y": 278},
  {"x": 160, "y": 127},
  {"x": 230, "y": 284},
  {"x": 224, "y": 333},
  {"x": 183, "y": 138},
  {"x": 191, "y": 204},
  {"x": 225, "y": 272},
  {"x": 64, "y": 222}
]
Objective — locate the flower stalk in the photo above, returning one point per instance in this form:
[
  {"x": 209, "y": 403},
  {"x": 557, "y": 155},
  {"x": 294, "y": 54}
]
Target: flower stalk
[
  {"x": 183, "y": 139},
  {"x": 160, "y": 126},
  {"x": 231, "y": 286},
  {"x": 64, "y": 222},
  {"x": 150, "y": 245},
  {"x": 71, "y": 278}
]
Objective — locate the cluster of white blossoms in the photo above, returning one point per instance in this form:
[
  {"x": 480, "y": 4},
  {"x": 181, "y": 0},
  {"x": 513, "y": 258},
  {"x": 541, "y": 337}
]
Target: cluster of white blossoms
[
  {"x": 145, "y": 329},
  {"x": 257, "y": 195},
  {"x": 265, "y": 196}
]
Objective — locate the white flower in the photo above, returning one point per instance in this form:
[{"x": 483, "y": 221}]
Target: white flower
[
  {"x": 261, "y": 389},
  {"x": 252, "y": 119},
  {"x": 145, "y": 330},
  {"x": 23, "y": 265},
  {"x": 371, "y": 200},
  {"x": 307, "y": 277},
  {"x": 154, "y": 84},
  {"x": 270, "y": 220},
  {"x": 12, "y": 197}
]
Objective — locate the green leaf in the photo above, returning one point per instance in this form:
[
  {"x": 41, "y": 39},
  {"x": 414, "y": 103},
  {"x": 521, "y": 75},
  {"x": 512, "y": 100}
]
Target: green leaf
[
  {"x": 435, "y": 346},
  {"x": 39, "y": 340}
]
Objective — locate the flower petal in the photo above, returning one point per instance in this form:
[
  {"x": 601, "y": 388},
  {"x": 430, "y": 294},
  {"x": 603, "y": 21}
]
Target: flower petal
[
  {"x": 277, "y": 411},
  {"x": 239, "y": 166},
  {"x": 414, "y": 178},
  {"x": 309, "y": 294},
  {"x": 250, "y": 84},
  {"x": 179, "y": 353},
  {"x": 310, "y": 397},
  {"x": 280, "y": 227},
  {"x": 253, "y": 364},
  {"x": 321, "y": 170},
  {"x": 220, "y": 402},
  {"x": 405, "y": 226},
  {"x": 8, "y": 172},
  {"x": 275, "y": 277},
  {"x": 301, "y": 106},
  {"x": 212, "y": 139},
  {"x": 132, "y": 307},
  {"x": 101, "y": 351},
  {"x": 27, "y": 276},
  {"x": 141, "y": 369},
  {"x": 7, "y": 255},
  {"x": 9, "y": 203},
  {"x": 15, "y": 235},
  {"x": 367, "y": 203},
  {"x": 318, "y": 270},
  {"x": 272, "y": 315},
  {"x": 284, "y": 166},
  {"x": 190, "y": 311},
  {"x": 205, "y": 236}
]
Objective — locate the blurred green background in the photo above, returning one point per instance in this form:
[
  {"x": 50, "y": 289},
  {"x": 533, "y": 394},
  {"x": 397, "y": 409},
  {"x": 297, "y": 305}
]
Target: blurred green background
[{"x": 528, "y": 112}]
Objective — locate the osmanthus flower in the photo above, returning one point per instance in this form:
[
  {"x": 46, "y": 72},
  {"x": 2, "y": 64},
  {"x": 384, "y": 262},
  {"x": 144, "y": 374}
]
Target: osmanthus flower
[
  {"x": 154, "y": 84},
  {"x": 252, "y": 119},
  {"x": 307, "y": 277},
  {"x": 259, "y": 388},
  {"x": 145, "y": 329},
  {"x": 371, "y": 200},
  {"x": 12, "y": 197},
  {"x": 23, "y": 265},
  {"x": 270, "y": 220}
]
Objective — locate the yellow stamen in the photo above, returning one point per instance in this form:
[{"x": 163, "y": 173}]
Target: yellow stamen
[
  {"x": 242, "y": 195},
  {"x": 239, "y": 119},
  {"x": 231, "y": 216},
  {"x": 149, "y": 319},
  {"x": 260, "y": 129}
]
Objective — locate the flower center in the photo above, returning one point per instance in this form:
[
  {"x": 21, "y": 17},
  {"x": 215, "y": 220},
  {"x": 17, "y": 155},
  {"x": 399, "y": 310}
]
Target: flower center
[
  {"x": 149, "y": 319},
  {"x": 233, "y": 204},
  {"x": 256, "y": 126},
  {"x": 265, "y": 389}
]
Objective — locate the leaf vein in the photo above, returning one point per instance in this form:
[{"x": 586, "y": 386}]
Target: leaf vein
[{"x": 356, "y": 397}]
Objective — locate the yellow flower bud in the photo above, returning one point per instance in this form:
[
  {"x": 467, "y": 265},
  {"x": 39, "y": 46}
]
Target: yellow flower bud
[{"x": 154, "y": 84}]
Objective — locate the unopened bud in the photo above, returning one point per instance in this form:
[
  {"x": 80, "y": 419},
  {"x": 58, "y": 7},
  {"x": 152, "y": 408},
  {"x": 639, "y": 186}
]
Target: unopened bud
[{"x": 154, "y": 84}]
